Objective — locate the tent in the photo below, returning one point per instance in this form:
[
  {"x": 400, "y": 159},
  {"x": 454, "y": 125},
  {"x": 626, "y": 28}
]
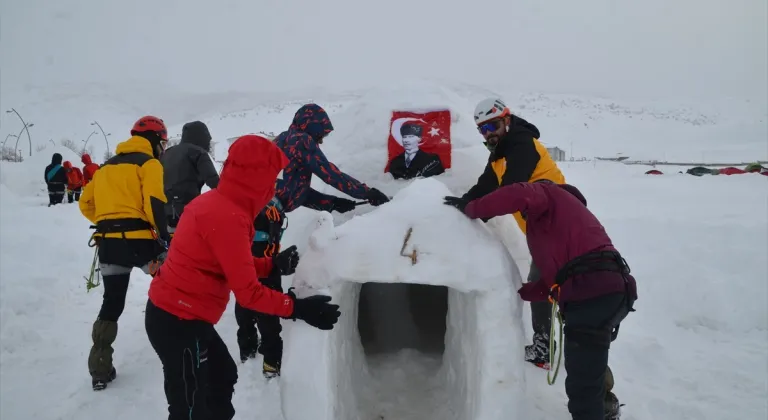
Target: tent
[
  {"x": 654, "y": 172},
  {"x": 700, "y": 170},
  {"x": 732, "y": 171}
]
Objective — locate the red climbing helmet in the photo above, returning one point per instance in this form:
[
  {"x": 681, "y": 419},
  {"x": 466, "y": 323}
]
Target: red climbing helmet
[{"x": 150, "y": 123}]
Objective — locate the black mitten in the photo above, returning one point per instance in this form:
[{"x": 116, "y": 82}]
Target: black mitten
[
  {"x": 287, "y": 261},
  {"x": 376, "y": 197},
  {"x": 315, "y": 311},
  {"x": 342, "y": 205}
]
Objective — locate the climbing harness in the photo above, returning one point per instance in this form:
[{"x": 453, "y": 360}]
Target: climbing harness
[
  {"x": 277, "y": 223},
  {"x": 587, "y": 263}
]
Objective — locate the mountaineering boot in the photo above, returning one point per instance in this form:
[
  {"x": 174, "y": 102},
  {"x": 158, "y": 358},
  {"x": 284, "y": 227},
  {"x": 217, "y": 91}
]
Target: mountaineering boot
[
  {"x": 99, "y": 384},
  {"x": 271, "y": 369},
  {"x": 100, "y": 366},
  {"x": 538, "y": 352},
  {"x": 248, "y": 347},
  {"x": 612, "y": 407}
]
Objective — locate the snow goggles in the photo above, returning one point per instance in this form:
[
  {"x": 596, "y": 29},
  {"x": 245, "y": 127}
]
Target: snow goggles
[{"x": 489, "y": 127}]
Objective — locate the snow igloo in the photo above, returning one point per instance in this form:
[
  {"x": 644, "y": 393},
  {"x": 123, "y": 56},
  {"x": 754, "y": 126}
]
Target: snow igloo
[{"x": 431, "y": 324}]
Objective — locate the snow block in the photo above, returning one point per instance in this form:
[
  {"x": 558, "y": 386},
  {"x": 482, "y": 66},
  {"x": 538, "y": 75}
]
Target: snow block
[{"x": 478, "y": 372}]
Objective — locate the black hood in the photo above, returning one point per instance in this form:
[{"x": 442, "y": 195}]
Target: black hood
[
  {"x": 196, "y": 132},
  {"x": 56, "y": 159},
  {"x": 521, "y": 124}
]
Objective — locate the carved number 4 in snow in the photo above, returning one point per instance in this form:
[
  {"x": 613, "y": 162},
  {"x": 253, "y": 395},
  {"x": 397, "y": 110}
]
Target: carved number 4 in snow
[{"x": 412, "y": 255}]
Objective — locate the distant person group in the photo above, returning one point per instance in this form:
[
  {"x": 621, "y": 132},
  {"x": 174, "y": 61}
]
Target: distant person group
[{"x": 148, "y": 212}]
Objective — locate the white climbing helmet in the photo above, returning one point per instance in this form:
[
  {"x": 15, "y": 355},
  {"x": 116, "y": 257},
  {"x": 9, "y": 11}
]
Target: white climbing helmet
[{"x": 489, "y": 109}]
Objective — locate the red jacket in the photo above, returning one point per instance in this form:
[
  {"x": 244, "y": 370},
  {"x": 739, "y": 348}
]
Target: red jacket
[
  {"x": 559, "y": 229},
  {"x": 74, "y": 176},
  {"x": 211, "y": 250},
  {"x": 89, "y": 169}
]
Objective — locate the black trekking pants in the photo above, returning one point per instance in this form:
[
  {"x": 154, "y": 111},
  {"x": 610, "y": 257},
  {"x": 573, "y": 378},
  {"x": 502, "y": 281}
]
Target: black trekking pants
[
  {"x": 269, "y": 325},
  {"x": 74, "y": 195},
  {"x": 199, "y": 373},
  {"x": 541, "y": 312},
  {"x": 588, "y": 334}
]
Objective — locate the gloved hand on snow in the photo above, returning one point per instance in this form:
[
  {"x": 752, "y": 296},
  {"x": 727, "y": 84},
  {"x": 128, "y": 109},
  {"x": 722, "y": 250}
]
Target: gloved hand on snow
[
  {"x": 315, "y": 311},
  {"x": 342, "y": 205},
  {"x": 287, "y": 261},
  {"x": 458, "y": 202},
  {"x": 376, "y": 197}
]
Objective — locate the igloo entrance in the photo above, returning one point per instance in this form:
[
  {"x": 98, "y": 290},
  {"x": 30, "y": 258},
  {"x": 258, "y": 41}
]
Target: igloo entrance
[{"x": 396, "y": 316}]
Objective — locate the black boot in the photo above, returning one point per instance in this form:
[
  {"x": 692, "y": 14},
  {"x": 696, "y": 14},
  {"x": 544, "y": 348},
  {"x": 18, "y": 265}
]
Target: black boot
[
  {"x": 101, "y": 383},
  {"x": 248, "y": 347},
  {"x": 538, "y": 352},
  {"x": 612, "y": 407}
]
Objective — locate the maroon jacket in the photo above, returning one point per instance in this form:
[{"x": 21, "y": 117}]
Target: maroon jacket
[{"x": 560, "y": 228}]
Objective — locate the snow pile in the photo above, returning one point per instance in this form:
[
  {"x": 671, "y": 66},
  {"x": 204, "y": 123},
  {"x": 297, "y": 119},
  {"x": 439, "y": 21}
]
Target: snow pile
[
  {"x": 26, "y": 178},
  {"x": 478, "y": 375}
]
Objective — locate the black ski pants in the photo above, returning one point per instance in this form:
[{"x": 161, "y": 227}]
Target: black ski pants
[
  {"x": 199, "y": 373},
  {"x": 589, "y": 327},
  {"x": 541, "y": 312},
  {"x": 269, "y": 325},
  {"x": 74, "y": 195}
]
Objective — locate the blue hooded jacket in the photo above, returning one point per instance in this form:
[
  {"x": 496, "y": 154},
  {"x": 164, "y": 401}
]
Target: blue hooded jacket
[{"x": 300, "y": 145}]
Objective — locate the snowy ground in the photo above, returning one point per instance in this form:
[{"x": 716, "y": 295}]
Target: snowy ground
[{"x": 695, "y": 349}]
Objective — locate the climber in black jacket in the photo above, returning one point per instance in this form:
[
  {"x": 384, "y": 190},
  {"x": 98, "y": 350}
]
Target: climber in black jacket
[
  {"x": 56, "y": 180},
  {"x": 186, "y": 168}
]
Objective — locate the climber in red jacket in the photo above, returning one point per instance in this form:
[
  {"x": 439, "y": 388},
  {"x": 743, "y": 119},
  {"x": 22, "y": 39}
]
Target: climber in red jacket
[
  {"x": 74, "y": 182},
  {"x": 89, "y": 168},
  {"x": 211, "y": 256}
]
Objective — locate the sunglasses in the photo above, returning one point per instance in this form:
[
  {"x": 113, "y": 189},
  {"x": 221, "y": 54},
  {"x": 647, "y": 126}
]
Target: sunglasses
[{"x": 489, "y": 127}]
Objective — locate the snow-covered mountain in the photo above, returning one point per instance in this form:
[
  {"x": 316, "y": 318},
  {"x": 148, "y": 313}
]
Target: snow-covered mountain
[{"x": 648, "y": 80}]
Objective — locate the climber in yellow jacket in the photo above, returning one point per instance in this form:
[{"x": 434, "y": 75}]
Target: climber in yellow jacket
[
  {"x": 125, "y": 200},
  {"x": 516, "y": 156}
]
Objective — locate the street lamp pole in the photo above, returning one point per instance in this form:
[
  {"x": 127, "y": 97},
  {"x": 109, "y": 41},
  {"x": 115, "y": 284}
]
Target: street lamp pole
[
  {"x": 86, "y": 141},
  {"x": 96, "y": 123},
  {"x": 26, "y": 127},
  {"x": 6, "y": 138}
]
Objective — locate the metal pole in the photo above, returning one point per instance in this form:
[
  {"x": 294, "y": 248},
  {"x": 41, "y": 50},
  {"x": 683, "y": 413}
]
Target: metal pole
[
  {"x": 102, "y": 132},
  {"x": 16, "y": 147},
  {"x": 6, "y": 138},
  {"x": 86, "y": 141},
  {"x": 26, "y": 127}
]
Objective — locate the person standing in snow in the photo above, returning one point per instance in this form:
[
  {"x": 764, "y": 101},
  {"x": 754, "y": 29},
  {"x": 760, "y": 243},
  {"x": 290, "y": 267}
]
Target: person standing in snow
[
  {"x": 301, "y": 144},
  {"x": 581, "y": 271},
  {"x": 516, "y": 156},
  {"x": 186, "y": 168},
  {"x": 56, "y": 180},
  {"x": 211, "y": 257},
  {"x": 74, "y": 182},
  {"x": 89, "y": 168},
  {"x": 125, "y": 201}
]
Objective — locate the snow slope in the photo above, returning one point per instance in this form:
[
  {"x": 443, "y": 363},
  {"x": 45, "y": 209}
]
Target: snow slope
[{"x": 694, "y": 350}]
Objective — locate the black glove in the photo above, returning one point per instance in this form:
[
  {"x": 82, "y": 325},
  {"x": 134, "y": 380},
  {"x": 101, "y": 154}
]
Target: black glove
[
  {"x": 376, "y": 197},
  {"x": 458, "y": 202},
  {"x": 287, "y": 261},
  {"x": 315, "y": 311},
  {"x": 342, "y": 205}
]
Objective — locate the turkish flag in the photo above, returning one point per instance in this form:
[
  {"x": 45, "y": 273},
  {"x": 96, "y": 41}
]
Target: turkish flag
[{"x": 420, "y": 139}]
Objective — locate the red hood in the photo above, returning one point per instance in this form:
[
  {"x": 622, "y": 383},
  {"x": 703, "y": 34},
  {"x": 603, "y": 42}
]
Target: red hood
[
  {"x": 86, "y": 159},
  {"x": 67, "y": 165},
  {"x": 250, "y": 172}
]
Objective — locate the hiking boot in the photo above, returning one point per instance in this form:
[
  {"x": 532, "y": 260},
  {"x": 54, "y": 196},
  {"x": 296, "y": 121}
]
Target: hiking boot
[
  {"x": 612, "y": 407},
  {"x": 99, "y": 384},
  {"x": 248, "y": 348},
  {"x": 271, "y": 369},
  {"x": 538, "y": 352}
]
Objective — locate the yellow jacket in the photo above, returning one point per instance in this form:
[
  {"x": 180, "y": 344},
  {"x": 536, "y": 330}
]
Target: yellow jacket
[
  {"x": 125, "y": 187},
  {"x": 519, "y": 157}
]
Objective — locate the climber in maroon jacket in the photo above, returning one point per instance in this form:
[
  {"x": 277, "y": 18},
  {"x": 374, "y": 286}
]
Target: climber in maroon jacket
[{"x": 582, "y": 271}]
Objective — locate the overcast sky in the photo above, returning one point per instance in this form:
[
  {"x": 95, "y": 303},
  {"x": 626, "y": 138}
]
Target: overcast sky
[{"x": 656, "y": 48}]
